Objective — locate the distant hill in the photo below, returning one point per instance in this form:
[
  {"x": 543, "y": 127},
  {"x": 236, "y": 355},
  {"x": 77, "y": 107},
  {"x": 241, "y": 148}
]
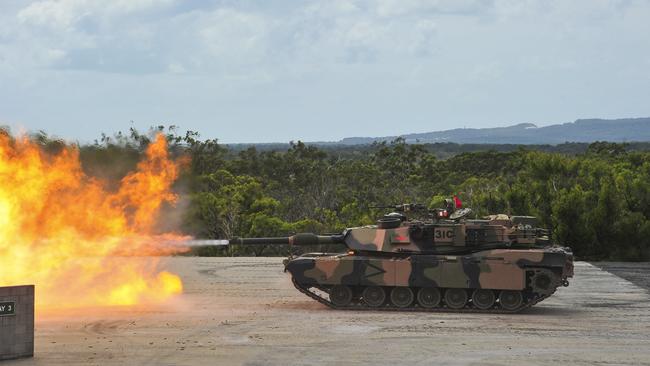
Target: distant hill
[{"x": 582, "y": 130}]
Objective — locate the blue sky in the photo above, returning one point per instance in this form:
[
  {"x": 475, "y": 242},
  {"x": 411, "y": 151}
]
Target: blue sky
[{"x": 263, "y": 70}]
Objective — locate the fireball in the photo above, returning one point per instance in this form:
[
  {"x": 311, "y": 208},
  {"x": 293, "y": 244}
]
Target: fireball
[{"x": 68, "y": 234}]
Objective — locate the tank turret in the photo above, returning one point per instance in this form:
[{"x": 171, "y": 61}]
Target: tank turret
[
  {"x": 443, "y": 234},
  {"x": 440, "y": 260}
]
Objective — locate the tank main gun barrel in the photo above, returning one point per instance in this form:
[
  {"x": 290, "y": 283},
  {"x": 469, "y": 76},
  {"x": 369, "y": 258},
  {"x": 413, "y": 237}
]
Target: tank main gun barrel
[{"x": 298, "y": 239}]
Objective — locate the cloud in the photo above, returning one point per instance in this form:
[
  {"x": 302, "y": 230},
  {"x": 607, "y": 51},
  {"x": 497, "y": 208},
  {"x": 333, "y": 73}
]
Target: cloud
[
  {"x": 433, "y": 59},
  {"x": 392, "y": 8},
  {"x": 228, "y": 33},
  {"x": 237, "y": 39},
  {"x": 63, "y": 14},
  {"x": 146, "y": 36}
]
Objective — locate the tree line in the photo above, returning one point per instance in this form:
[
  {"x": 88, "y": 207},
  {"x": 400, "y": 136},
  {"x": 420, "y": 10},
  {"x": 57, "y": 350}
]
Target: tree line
[{"x": 595, "y": 200}]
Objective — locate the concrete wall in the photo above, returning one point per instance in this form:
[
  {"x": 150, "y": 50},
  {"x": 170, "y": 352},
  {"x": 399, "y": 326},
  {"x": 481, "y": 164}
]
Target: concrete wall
[{"x": 17, "y": 329}]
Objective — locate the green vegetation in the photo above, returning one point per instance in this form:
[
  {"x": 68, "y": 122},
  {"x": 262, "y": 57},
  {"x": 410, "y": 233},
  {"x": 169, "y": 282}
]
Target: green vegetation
[{"x": 595, "y": 200}]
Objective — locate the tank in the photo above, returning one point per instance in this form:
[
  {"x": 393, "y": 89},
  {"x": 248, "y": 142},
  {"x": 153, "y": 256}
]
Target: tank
[{"x": 440, "y": 262}]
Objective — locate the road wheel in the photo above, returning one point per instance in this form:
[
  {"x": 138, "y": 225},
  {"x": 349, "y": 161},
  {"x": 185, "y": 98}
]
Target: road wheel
[
  {"x": 374, "y": 296},
  {"x": 483, "y": 299},
  {"x": 510, "y": 300},
  {"x": 456, "y": 298},
  {"x": 340, "y": 295},
  {"x": 401, "y": 296},
  {"x": 429, "y": 297}
]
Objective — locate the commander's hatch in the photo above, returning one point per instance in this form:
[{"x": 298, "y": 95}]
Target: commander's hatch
[{"x": 460, "y": 213}]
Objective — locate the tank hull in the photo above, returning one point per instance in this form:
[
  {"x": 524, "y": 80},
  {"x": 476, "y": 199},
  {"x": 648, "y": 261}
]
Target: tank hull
[{"x": 372, "y": 280}]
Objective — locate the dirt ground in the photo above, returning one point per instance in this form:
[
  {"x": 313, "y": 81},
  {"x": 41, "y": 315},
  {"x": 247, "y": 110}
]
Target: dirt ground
[{"x": 245, "y": 311}]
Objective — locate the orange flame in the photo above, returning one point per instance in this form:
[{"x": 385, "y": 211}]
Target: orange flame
[{"x": 62, "y": 230}]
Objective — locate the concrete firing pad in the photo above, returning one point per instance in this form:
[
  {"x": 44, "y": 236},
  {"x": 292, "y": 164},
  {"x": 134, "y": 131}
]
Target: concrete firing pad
[{"x": 245, "y": 311}]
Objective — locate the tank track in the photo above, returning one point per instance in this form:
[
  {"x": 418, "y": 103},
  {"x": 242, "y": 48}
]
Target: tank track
[{"x": 529, "y": 301}]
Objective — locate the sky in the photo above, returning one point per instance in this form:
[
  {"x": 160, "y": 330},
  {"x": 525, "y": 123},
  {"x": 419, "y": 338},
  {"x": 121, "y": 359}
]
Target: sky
[{"x": 318, "y": 70}]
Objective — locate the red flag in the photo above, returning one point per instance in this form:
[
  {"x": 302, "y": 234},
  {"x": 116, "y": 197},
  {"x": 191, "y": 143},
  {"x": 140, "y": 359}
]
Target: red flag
[{"x": 458, "y": 202}]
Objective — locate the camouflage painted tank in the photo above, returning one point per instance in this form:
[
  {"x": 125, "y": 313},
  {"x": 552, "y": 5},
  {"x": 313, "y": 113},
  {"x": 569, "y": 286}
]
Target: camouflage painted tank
[{"x": 446, "y": 262}]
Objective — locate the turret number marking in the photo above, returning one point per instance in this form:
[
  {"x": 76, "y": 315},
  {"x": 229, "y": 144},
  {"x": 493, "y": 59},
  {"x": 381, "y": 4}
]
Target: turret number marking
[{"x": 443, "y": 234}]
